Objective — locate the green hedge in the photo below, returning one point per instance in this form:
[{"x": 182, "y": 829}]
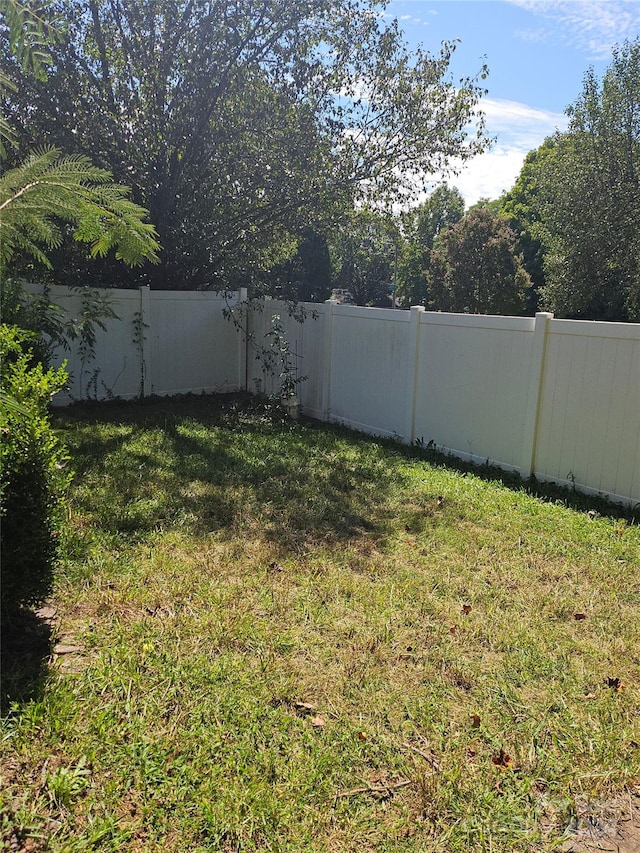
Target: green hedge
[{"x": 33, "y": 473}]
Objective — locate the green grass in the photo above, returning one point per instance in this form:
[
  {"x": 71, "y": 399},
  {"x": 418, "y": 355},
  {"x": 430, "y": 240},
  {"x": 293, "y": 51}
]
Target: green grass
[{"x": 224, "y": 571}]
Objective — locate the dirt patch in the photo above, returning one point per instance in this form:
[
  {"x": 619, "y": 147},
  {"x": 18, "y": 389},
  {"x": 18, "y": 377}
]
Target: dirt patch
[{"x": 610, "y": 825}]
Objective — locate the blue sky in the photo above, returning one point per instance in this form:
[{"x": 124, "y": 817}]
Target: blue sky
[{"x": 537, "y": 52}]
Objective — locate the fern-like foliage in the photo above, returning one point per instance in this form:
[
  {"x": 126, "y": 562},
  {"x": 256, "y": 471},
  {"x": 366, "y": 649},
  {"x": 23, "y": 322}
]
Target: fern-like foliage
[
  {"x": 49, "y": 188},
  {"x": 28, "y": 35}
]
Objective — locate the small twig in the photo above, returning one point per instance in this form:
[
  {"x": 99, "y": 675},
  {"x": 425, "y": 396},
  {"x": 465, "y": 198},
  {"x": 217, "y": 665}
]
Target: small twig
[
  {"x": 428, "y": 758},
  {"x": 370, "y": 789}
]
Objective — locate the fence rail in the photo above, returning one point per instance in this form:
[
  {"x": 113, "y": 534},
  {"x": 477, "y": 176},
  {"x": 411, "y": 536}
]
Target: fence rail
[{"x": 559, "y": 399}]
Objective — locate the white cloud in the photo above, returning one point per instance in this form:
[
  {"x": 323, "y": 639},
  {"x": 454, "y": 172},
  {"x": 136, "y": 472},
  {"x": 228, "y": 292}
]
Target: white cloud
[
  {"x": 519, "y": 124},
  {"x": 489, "y": 175},
  {"x": 539, "y": 35},
  {"x": 518, "y": 129},
  {"x": 592, "y": 26}
]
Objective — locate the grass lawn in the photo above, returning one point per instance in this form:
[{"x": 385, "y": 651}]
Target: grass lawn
[{"x": 277, "y": 636}]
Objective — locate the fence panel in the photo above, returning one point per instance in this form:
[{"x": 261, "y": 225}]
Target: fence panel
[
  {"x": 306, "y": 342},
  {"x": 162, "y": 342},
  {"x": 589, "y": 433},
  {"x": 369, "y": 360},
  {"x": 193, "y": 347},
  {"x": 473, "y": 385},
  {"x": 114, "y": 368}
]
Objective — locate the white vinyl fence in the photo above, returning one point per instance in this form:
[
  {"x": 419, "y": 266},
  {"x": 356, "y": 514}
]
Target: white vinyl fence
[
  {"x": 559, "y": 399},
  {"x": 162, "y": 342}
]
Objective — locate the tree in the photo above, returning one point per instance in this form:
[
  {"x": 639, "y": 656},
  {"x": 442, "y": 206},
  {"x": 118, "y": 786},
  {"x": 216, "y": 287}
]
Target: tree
[
  {"x": 49, "y": 187},
  {"x": 421, "y": 227},
  {"x": 241, "y": 124},
  {"x": 589, "y": 199},
  {"x": 475, "y": 269},
  {"x": 364, "y": 257},
  {"x": 521, "y": 206},
  {"x": 306, "y": 276}
]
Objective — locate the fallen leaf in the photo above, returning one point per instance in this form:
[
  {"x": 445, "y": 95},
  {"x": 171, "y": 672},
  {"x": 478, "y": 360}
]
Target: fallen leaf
[
  {"x": 502, "y": 760},
  {"x": 579, "y": 616},
  {"x": 466, "y": 609},
  {"x": 304, "y": 707},
  {"x": 317, "y": 722},
  {"x": 475, "y": 721},
  {"x": 590, "y": 696},
  {"x": 362, "y": 736},
  {"x": 613, "y": 683}
]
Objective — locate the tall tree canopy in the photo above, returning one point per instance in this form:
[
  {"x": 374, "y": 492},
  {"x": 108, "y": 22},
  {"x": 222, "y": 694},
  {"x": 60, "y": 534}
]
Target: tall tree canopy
[
  {"x": 240, "y": 123},
  {"x": 364, "y": 257},
  {"x": 50, "y": 188},
  {"x": 475, "y": 267},
  {"x": 306, "y": 275},
  {"x": 421, "y": 227},
  {"x": 588, "y": 199},
  {"x": 521, "y": 206}
]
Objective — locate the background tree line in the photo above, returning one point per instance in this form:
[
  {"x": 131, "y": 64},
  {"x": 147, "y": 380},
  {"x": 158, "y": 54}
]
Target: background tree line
[
  {"x": 269, "y": 140},
  {"x": 244, "y": 128},
  {"x": 575, "y": 207},
  {"x": 565, "y": 238}
]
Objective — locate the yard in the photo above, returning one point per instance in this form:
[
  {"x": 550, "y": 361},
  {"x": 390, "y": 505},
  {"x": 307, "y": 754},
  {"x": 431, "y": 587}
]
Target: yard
[{"x": 278, "y": 636}]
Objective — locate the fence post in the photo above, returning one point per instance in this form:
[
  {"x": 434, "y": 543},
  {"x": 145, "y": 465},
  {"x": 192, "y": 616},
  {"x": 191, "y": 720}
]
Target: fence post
[
  {"x": 534, "y": 397},
  {"x": 243, "y": 338},
  {"x": 146, "y": 387},
  {"x": 327, "y": 359},
  {"x": 412, "y": 372}
]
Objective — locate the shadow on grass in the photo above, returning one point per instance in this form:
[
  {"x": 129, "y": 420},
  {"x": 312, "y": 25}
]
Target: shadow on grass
[
  {"x": 214, "y": 463},
  {"x": 24, "y": 656},
  {"x": 226, "y": 463}
]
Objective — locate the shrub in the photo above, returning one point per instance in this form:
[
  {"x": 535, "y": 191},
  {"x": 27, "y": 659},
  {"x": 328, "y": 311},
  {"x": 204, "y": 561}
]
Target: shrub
[{"x": 33, "y": 479}]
